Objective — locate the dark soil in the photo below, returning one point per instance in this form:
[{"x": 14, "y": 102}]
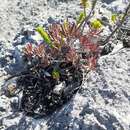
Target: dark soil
[{"x": 39, "y": 95}]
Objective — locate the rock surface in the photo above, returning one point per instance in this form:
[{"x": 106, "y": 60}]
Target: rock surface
[
  {"x": 102, "y": 103},
  {"x": 15, "y": 14}
]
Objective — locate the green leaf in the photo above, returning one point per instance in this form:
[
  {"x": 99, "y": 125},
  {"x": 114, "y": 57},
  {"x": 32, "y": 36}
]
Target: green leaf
[
  {"x": 55, "y": 74},
  {"x": 66, "y": 24},
  {"x": 44, "y": 35},
  {"x": 96, "y": 24},
  {"x": 81, "y": 18},
  {"x": 114, "y": 18}
]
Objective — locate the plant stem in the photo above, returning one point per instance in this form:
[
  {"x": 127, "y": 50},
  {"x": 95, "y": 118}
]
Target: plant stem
[
  {"x": 89, "y": 15},
  {"x": 119, "y": 25},
  {"x": 84, "y": 11}
]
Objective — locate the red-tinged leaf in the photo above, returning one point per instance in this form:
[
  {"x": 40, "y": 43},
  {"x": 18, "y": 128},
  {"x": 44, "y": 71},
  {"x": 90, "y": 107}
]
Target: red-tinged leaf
[
  {"x": 93, "y": 32},
  {"x": 40, "y": 50},
  {"x": 83, "y": 39},
  {"x": 55, "y": 34},
  {"x": 28, "y": 50},
  {"x": 92, "y": 47},
  {"x": 87, "y": 41},
  {"x": 92, "y": 61},
  {"x": 72, "y": 56}
]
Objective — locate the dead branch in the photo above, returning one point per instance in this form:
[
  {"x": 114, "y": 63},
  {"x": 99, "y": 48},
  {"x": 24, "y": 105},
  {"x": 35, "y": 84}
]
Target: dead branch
[{"x": 119, "y": 25}]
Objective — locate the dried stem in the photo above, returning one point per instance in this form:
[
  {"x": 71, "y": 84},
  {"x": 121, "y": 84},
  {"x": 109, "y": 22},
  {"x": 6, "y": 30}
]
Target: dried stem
[
  {"x": 89, "y": 15},
  {"x": 119, "y": 25}
]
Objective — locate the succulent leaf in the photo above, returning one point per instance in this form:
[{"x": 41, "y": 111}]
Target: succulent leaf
[
  {"x": 96, "y": 24},
  {"x": 44, "y": 35},
  {"x": 28, "y": 49},
  {"x": 55, "y": 74},
  {"x": 81, "y": 18},
  {"x": 114, "y": 18}
]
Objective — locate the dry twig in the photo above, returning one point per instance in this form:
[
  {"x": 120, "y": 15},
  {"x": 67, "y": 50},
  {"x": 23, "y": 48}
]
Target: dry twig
[{"x": 119, "y": 25}]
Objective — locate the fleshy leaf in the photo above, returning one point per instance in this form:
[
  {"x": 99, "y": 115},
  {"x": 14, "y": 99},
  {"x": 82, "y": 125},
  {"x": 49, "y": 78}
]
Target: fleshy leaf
[
  {"x": 40, "y": 50},
  {"x": 114, "y": 18},
  {"x": 44, "y": 35},
  {"x": 96, "y": 24},
  {"x": 55, "y": 74},
  {"x": 28, "y": 50},
  {"x": 81, "y": 18},
  {"x": 66, "y": 24}
]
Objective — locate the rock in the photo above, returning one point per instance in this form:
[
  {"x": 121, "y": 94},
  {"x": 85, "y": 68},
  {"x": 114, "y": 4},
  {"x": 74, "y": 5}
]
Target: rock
[
  {"x": 124, "y": 32},
  {"x": 51, "y": 20},
  {"x": 126, "y": 42},
  {"x": 105, "y": 19},
  {"x": 108, "y": 2},
  {"x": 11, "y": 89},
  {"x": 4, "y": 106},
  {"x": 3, "y": 61},
  {"x": 107, "y": 49},
  {"x": 16, "y": 14},
  {"x": 14, "y": 103},
  {"x": 13, "y": 127},
  {"x": 2, "y": 109}
]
